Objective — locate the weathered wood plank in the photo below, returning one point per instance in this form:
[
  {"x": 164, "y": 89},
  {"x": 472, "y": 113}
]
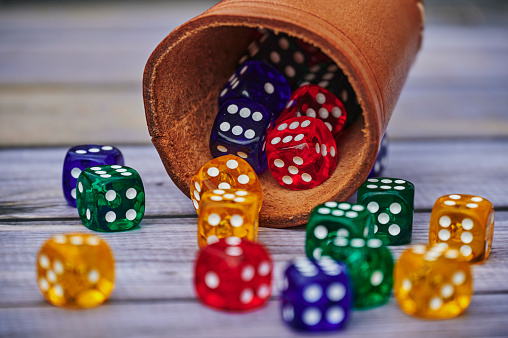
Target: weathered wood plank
[
  {"x": 31, "y": 178},
  {"x": 155, "y": 261},
  {"x": 484, "y": 318}
]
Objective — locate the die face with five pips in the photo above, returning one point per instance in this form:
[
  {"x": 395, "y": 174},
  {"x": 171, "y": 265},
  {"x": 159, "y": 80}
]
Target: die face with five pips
[
  {"x": 465, "y": 223},
  {"x": 110, "y": 198},
  {"x": 75, "y": 270},
  {"x": 391, "y": 201},
  {"x": 78, "y": 158},
  {"x": 333, "y": 219},
  {"x": 316, "y": 295}
]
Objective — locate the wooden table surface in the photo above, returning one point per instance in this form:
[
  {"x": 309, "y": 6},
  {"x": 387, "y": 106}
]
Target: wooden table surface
[{"x": 449, "y": 135}]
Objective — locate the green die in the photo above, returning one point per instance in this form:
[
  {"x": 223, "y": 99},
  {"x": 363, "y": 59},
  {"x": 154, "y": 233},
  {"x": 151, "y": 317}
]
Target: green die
[
  {"x": 110, "y": 198},
  {"x": 333, "y": 219},
  {"x": 370, "y": 267},
  {"x": 391, "y": 201}
]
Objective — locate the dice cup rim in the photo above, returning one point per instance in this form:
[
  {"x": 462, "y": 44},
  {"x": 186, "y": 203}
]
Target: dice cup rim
[{"x": 165, "y": 78}]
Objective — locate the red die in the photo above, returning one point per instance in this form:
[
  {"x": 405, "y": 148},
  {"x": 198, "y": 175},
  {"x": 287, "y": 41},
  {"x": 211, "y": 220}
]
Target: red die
[
  {"x": 301, "y": 153},
  {"x": 233, "y": 274},
  {"x": 314, "y": 101}
]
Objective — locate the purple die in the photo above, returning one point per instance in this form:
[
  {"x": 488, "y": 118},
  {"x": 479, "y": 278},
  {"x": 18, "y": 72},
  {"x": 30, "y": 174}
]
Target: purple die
[
  {"x": 281, "y": 51},
  {"x": 381, "y": 159},
  {"x": 81, "y": 157},
  {"x": 259, "y": 82},
  {"x": 240, "y": 129},
  {"x": 316, "y": 295}
]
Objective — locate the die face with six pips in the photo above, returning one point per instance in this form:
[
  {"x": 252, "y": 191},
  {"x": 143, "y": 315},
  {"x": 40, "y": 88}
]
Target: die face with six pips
[
  {"x": 391, "y": 201},
  {"x": 333, "y": 219},
  {"x": 78, "y": 158},
  {"x": 110, "y": 198},
  {"x": 465, "y": 223}
]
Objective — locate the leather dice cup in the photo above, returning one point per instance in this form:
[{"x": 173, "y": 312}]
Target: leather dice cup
[{"x": 186, "y": 72}]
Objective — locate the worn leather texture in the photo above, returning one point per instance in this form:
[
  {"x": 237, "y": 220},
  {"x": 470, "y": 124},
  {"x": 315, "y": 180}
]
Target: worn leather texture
[{"x": 374, "y": 42}]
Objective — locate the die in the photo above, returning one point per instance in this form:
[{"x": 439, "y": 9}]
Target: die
[
  {"x": 465, "y": 223},
  {"x": 240, "y": 128},
  {"x": 259, "y": 82},
  {"x": 75, "y": 270},
  {"x": 326, "y": 221},
  {"x": 381, "y": 159},
  {"x": 314, "y": 101},
  {"x": 110, "y": 198},
  {"x": 332, "y": 78},
  {"x": 282, "y": 52},
  {"x": 79, "y": 158},
  {"x": 227, "y": 213},
  {"x": 432, "y": 282},
  {"x": 314, "y": 54},
  {"x": 225, "y": 172},
  {"x": 370, "y": 266},
  {"x": 233, "y": 275},
  {"x": 391, "y": 200},
  {"x": 301, "y": 153},
  {"x": 316, "y": 295}
]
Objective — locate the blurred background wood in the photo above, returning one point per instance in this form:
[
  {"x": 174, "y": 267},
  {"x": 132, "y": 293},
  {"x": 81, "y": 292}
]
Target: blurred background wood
[{"x": 70, "y": 73}]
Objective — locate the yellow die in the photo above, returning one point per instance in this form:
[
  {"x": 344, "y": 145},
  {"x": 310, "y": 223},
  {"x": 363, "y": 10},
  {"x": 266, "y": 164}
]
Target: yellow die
[
  {"x": 75, "y": 270},
  {"x": 227, "y": 213},
  {"x": 225, "y": 172},
  {"x": 432, "y": 282},
  {"x": 465, "y": 223}
]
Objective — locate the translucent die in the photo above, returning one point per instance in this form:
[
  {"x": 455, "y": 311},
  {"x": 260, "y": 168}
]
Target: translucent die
[
  {"x": 391, "y": 202},
  {"x": 381, "y": 159},
  {"x": 110, "y": 198},
  {"x": 226, "y": 213},
  {"x": 79, "y": 158},
  {"x": 225, "y": 172},
  {"x": 465, "y": 223},
  {"x": 316, "y": 295},
  {"x": 240, "y": 129},
  {"x": 433, "y": 282},
  {"x": 233, "y": 275},
  {"x": 259, "y": 82},
  {"x": 301, "y": 153},
  {"x": 370, "y": 266},
  {"x": 333, "y": 219},
  {"x": 314, "y": 101},
  {"x": 75, "y": 270}
]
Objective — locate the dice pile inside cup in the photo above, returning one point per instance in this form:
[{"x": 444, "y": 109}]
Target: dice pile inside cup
[{"x": 280, "y": 110}]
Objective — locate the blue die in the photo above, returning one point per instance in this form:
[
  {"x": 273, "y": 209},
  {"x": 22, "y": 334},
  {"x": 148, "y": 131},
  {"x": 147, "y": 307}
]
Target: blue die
[
  {"x": 79, "y": 158},
  {"x": 240, "y": 129},
  {"x": 381, "y": 159},
  {"x": 316, "y": 295},
  {"x": 259, "y": 82}
]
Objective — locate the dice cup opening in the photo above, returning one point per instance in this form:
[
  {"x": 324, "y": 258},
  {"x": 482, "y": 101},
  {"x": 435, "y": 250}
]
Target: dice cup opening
[{"x": 186, "y": 72}]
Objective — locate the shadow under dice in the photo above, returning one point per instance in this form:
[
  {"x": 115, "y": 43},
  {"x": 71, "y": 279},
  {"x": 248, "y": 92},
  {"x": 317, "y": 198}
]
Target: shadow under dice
[
  {"x": 301, "y": 153},
  {"x": 370, "y": 266},
  {"x": 391, "y": 201},
  {"x": 233, "y": 275},
  {"x": 240, "y": 128},
  {"x": 110, "y": 198},
  {"x": 75, "y": 270},
  {"x": 316, "y": 295},
  {"x": 227, "y": 213},
  {"x": 258, "y": 82},
  {"x": 79, "y": 158},
  {"x": 433, "y": 282},
  {"x": 225, "y": 172},
  {"x": 465, "y": 223},
  {"x": 314, "y": 101},
  {"x": 333, "y": 219}
]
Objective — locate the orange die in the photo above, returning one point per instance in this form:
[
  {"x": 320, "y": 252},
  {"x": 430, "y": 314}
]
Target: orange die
[
  {"x": 227, "y": 213},
  {"x": 225, "y": 172},
  {"x": 465, "y": 223},
  {"x": 75, "y": 270}
]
